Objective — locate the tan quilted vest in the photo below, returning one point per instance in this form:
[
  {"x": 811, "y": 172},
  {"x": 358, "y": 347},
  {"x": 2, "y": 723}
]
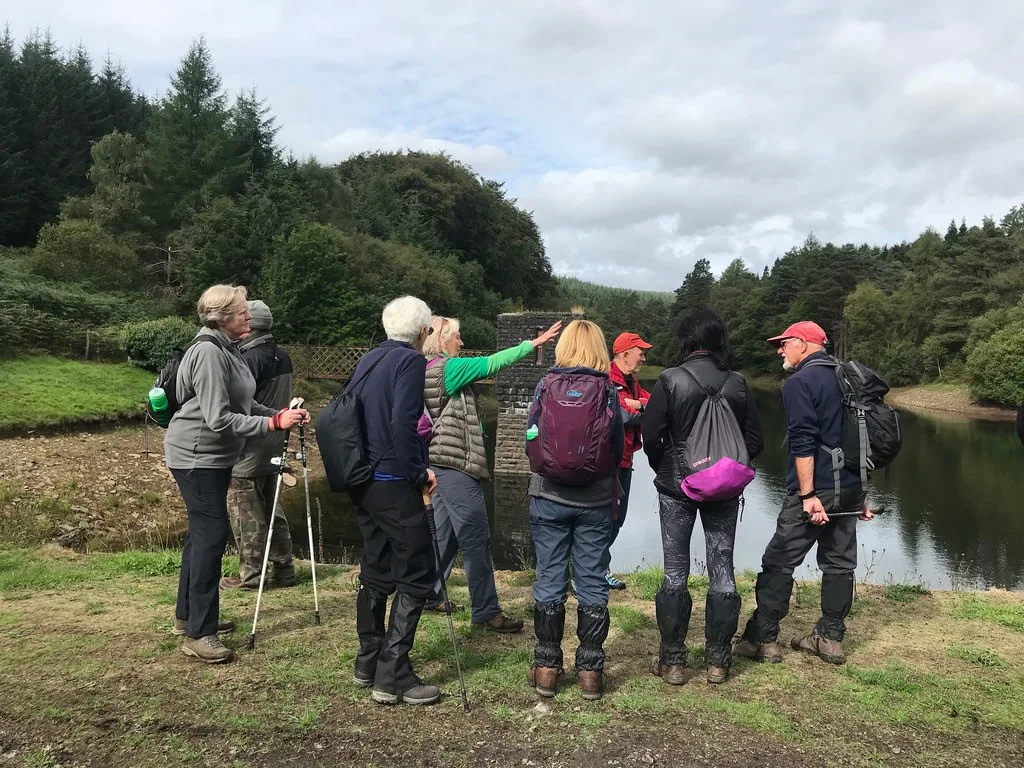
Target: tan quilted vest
[{"x": 458, "y": 441}]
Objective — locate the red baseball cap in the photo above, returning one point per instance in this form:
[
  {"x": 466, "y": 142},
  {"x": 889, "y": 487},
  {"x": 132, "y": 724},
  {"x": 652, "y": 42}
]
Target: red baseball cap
[
  {"x": 805, "y": 330},
  {"x": 628, "y": 341}
]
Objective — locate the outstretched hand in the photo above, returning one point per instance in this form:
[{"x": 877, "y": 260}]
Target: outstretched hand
[{"x": 548, "y": 335}]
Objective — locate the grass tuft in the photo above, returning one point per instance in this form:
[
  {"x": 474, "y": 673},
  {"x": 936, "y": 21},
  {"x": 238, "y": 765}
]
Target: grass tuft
[
  {"x": 646, "y": 583},
  {"x": 905, "y": 593},
  {"x": 980, "y": 657}
]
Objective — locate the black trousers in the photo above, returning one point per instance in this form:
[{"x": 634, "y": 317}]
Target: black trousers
[
  {"x": 205, "y": 492},
  {"x": 837, "y": 559},
  {"x": 398, "y": 550}
]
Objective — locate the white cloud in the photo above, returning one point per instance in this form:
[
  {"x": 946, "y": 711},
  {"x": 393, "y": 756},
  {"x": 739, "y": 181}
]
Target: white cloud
[{"x": 642, "y": 135}]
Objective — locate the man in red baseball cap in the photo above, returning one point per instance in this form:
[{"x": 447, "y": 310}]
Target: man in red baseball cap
[
  {"x": 814, "y": 437},
  {"x": 629, "y": 354}
]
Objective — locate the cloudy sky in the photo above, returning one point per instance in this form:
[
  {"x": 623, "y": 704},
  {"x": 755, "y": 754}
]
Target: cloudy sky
[{"x": 643, "y": 135}]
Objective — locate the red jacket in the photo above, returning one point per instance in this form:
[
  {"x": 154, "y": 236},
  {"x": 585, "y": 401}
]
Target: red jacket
[{"x": 629, "y": 389}]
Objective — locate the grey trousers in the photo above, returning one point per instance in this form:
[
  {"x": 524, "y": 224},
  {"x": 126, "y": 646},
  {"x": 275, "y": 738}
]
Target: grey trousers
[{"x": 460, "y": 513}]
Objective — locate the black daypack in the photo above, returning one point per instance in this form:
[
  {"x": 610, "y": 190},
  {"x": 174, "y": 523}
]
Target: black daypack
[
  {"x": 871, "y": 429},
  {"x": 168, "y": 381},
  {"x": 341, "y": 436}
]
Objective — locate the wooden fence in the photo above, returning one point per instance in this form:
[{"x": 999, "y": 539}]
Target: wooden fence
[{"x": 327, "y": 362}]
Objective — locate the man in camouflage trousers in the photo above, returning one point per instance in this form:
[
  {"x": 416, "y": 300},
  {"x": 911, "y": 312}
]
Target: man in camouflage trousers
[{"x": 254, "y": 477}]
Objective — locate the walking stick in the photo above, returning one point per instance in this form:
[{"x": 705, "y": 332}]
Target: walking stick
[
  {"x": 250, "y": 640},
  {"x": 876, "y": 512},
  {"x": 427, "y": 503},
  {"x": 309, "y": 522}
]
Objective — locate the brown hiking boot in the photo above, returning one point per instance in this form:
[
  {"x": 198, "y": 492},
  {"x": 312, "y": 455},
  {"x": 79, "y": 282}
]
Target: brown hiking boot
[
  {"x": 544, "y": 680},
  {"x": 592, "y": 683},
  {"x": 504, "y": 624},
  {"x": 209, "y": 649},
  {"x": 717, "y": 675},
  {"x": 236, "y": 583},
  {"x": 223, "y": 627},
  {"x": 825, "y": 649},
  {"x": 673, "y": 674},
  {"x": 748, "y": 649}
]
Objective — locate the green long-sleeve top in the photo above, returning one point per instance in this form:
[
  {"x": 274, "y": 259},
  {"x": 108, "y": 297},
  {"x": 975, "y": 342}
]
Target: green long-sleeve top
[{"x": 460, "y": 372}]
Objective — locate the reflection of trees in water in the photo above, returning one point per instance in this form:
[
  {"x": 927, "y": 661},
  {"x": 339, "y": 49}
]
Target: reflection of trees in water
[{"x": 955, "y": 483}]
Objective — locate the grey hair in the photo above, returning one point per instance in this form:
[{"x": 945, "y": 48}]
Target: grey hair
[
  {"x": 218, "y": 303},
  {"x": 405, "y": 317}
]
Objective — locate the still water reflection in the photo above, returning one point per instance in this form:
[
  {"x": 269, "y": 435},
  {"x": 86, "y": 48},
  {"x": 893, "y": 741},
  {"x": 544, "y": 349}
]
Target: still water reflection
[{"x": 955, "y": 515}]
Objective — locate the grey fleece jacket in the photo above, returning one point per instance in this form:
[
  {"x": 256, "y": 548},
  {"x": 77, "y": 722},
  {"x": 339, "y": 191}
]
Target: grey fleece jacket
[
  {"x": 272, "y": 369},
  {"x": 210, "y": 428}
]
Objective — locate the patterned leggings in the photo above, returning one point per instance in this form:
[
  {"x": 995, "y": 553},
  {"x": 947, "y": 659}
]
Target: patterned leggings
[{"x": 719, "y": 520}]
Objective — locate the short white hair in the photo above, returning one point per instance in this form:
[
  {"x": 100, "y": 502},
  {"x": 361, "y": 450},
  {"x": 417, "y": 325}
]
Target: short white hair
[{"x": 405, "y": 317}]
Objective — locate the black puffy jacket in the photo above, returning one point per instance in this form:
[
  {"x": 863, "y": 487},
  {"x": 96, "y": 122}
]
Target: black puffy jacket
[{"x": 672, "y": 410}]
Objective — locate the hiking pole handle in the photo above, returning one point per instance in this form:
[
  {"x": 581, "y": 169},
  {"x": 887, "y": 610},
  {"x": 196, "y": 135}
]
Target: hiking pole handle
[{"x": 880, "y": 511}]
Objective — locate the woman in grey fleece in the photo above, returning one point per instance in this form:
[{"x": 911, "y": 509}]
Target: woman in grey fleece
[{"x": 204, "y": 440}]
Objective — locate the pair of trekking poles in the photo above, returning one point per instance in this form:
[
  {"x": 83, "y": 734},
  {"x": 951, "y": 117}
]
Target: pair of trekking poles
[{"x": 281, "y": 461}]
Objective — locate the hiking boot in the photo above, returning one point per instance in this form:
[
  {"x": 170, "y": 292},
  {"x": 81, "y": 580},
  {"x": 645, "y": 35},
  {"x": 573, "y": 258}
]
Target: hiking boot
[
  {"x": 822, "y": 647},
  {"x": 223, "y": 627},
  {"x": 544, "y": 680},
  {"x": 418, "y": 694},
  {"x": 717, "y": 675},
  {"x": 362, "y": 679},
  {"x": 209, "y": 649},
  {"x": 504, "y": 624},
  {"x": 443, "y": 607},
  {"x": 748, "y": 649},
  {"x": 592, "y": 683},
  {"x": 614, "y": 583},
  {"x": 234, "y": 582},
  {"x": 284, "y": 583},
  {"x": 673, "y": 674}
]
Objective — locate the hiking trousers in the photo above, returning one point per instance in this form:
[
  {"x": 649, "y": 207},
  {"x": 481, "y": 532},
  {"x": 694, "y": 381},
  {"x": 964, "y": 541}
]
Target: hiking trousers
[
  {"x": 460, "y": 514},
  {"x": 837, "y": 559},
  {"x": 249, "y": 502},
  {"x": 205, "y": 492},
  {"x": 563, "y": 533}
]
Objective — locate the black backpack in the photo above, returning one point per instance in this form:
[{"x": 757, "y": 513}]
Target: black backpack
[
  {"x": 341, "y": 436},
  {"x": 871, "y": 429},
  {"x": 168, "y": 381}
]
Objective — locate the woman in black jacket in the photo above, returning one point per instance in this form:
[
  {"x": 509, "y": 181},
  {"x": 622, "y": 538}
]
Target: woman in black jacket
[{"x": 668, "y": 420}]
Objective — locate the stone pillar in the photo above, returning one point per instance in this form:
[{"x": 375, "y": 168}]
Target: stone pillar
[{"x": 512, "y": 546}]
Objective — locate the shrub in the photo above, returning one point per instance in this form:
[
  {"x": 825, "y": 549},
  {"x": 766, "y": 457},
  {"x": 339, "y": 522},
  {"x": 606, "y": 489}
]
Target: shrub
[
  {"x": 996, "y": 366},
  {"x": 149, "y": 344}
]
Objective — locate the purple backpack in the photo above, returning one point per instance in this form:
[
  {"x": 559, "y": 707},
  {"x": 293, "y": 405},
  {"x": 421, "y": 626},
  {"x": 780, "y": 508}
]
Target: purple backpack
[
  {"x": 573, "y": 444},
  {"x": 716, "y": 465}
]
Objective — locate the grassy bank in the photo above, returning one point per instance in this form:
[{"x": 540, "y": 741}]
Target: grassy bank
[
  {"x": 42, "y": 391},
  {"x": 93, "y": 677}
]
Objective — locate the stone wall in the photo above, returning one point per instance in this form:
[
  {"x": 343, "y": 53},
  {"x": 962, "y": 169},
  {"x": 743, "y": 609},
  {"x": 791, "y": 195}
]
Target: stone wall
[{"x": 514, "y": 386}]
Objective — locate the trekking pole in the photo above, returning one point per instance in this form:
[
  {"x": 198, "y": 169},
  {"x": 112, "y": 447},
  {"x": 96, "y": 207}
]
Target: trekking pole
[
  {"x": 880, "y": 511},
  {"x": 309, "y": 522},
  {"x": 427, "y": 503},
  {"x": 250, "y": 640}
]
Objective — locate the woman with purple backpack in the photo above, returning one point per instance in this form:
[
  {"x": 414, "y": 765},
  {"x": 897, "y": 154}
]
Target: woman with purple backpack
[
  {"x": 574, "y": 440},
  {"x": 700, "y": 432},
  {"x": 452, "y": 428}
]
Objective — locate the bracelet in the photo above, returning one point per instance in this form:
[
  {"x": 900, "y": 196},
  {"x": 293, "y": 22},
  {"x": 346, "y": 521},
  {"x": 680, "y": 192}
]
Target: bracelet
[{"x": 806, "y": 496}]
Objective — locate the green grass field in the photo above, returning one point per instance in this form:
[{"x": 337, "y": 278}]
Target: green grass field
[
  {"x": 41, "y": 391},
  {"x": 92, "y": 676}
]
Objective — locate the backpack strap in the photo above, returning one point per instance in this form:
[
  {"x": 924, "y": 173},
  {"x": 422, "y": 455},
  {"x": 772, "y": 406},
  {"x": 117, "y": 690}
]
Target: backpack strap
[{"x": 352, "y": 384}]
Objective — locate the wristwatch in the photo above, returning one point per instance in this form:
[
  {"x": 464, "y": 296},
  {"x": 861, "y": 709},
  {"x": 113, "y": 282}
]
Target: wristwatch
[{"x": 806, "y": 496}]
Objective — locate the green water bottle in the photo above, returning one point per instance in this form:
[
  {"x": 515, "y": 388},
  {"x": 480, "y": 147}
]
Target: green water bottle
[
  {"x": 532, "y": 432},
  {"x": 158, "y": 405}
]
